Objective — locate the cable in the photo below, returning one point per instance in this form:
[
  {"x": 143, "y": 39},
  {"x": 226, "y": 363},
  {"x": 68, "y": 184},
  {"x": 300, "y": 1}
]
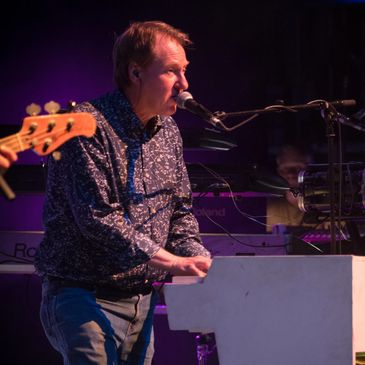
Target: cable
[
  {"x": 233, "y": 237},
  {"x": 246, "y": 215},
  {"x": 216, "y": 175}
]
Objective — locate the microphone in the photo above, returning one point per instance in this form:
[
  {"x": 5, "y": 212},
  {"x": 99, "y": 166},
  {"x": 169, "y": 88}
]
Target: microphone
[
  {"x": 349, "y": 102},
  {"x": 186, "y": 101}
]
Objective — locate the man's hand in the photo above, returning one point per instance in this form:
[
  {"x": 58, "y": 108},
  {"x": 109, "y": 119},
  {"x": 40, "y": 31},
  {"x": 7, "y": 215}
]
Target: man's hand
[
  {"x": 194, "y": 266},
  {"x": 7, "y": 157},
  {"x": 178, "y": 266}
]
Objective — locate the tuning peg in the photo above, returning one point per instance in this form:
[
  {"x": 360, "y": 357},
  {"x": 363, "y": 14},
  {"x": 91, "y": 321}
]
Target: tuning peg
[
  {"x": 52, "y": 107},
  {"x": 33, "y": 109},
  {"x": 56, "y": 155}
]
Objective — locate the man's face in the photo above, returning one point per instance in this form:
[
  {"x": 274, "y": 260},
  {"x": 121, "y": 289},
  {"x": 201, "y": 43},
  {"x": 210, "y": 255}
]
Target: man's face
[
  {"x": 289, "y": 170},
  {"x": 162, "y": 80}
]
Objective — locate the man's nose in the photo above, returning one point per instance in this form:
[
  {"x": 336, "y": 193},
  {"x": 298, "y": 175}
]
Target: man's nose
[{"x": 183, "y": 82}]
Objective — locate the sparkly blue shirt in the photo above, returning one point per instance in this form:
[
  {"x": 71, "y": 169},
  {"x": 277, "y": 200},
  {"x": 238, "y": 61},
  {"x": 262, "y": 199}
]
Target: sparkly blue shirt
[{"x": 114, "y": 199}]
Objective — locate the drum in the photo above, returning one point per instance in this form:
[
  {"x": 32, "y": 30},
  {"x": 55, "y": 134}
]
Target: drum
[{"x": 314, "y": 188}]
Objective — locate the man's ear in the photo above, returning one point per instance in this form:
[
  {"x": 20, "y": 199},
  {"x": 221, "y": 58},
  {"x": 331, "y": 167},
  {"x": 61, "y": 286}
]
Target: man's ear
[{"x": 134, "y": 73}]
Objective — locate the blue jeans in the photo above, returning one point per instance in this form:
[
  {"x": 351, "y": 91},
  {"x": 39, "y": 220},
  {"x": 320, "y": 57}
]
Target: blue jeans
[{"x": 89, "y": 330}]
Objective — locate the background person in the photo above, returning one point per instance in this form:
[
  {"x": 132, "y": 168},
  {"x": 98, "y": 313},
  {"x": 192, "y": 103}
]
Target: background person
[{"x": 290, "y": 160}]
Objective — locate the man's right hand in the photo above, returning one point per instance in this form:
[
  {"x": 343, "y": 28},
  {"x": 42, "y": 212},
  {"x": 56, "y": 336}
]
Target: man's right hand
[
  {"x": 194, "y": 266},
  {"x": 7, "y": 157},
  {"x": 178, "y": 265}
]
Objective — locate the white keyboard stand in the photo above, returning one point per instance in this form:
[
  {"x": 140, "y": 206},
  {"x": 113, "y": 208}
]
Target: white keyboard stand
[{"x": 276, "y": 309}]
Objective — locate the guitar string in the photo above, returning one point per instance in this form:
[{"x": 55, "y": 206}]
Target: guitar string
[{"x": 14, "y": 144}]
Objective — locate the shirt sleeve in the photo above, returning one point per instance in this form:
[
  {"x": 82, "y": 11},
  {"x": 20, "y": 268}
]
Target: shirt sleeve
[{"x": 184, "y": 237}]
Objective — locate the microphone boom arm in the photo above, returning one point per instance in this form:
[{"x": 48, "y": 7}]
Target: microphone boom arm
[{"x": 219, "y": 116}]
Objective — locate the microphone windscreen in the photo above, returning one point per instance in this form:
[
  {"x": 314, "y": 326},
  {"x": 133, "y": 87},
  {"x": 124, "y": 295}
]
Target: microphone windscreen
[{"x": 182, "y": 98}]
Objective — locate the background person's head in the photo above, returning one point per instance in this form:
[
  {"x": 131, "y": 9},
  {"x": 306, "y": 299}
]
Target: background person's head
[{"x": 290, "y": 160}]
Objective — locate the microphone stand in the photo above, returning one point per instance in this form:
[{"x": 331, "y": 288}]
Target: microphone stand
[
  {"x": 219, "y": 116},
  {"x": 330, "y": 115},
  {"x": 204, "y": 344}
]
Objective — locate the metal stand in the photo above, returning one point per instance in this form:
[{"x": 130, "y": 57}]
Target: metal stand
[
  {"x": 328, "y": 115},
  {"x": 204, "y": 344}
]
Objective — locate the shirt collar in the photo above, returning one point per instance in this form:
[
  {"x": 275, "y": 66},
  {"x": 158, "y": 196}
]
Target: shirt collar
[{"x": 119, "y": 113}]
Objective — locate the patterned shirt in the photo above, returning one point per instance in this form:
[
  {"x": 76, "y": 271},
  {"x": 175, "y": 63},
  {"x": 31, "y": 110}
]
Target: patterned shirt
[{"x": 114, "y": 199}]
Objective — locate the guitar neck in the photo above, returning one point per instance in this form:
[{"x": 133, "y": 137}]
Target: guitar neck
[
  {"x": 45, "y": 133},
  {"x": 15, "y": 142}
]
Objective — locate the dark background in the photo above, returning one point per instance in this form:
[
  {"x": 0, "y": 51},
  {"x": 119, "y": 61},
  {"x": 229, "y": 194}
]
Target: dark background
[{"x": 246, "y": 55}]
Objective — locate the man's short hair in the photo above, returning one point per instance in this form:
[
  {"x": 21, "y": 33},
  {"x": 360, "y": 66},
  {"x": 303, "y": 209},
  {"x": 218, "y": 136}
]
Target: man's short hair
[
  {"x": 136, "y": 45},
  {"x": 293, "y": 153}
]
